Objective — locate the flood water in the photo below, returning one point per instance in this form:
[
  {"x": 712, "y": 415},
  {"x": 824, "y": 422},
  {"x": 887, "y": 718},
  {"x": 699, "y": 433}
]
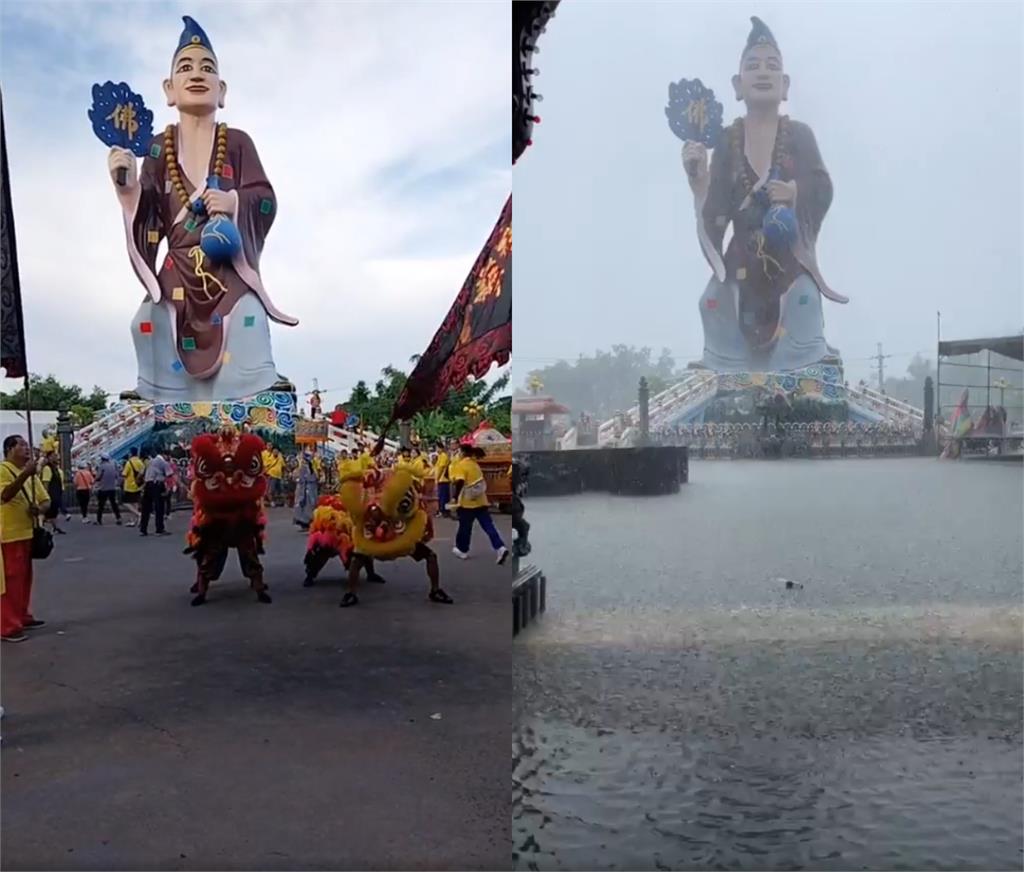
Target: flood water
[{"x": 679, "y": 708}]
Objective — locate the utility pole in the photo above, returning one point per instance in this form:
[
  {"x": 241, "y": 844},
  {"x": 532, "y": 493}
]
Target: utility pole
[
  {"x": 645, "y": 416},
  {"x": 881, "y": 368}
]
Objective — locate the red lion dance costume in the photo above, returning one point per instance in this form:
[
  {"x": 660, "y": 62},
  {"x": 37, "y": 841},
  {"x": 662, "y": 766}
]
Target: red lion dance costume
[{"x": 227, "y": 495}]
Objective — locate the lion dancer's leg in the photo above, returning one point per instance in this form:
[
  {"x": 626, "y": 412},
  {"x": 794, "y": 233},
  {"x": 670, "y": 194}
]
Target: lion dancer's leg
[
  {"x": 252, "y": 569},
  {"x": 316, "y": 559},
  {"x": 371, "y": 572},
  {"x": 426, "y": 554},
  {"x": 209, "y": 565},
  {"x": 355, "y": 564}
]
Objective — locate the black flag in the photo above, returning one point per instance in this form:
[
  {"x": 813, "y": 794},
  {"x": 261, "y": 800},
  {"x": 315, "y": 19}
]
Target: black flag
[
  {"x": 12, "y": 327},
  {"x": 476, "y": 332}
]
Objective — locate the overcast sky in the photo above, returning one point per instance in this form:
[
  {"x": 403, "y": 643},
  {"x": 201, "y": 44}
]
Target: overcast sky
[
  {"x": 384, "y": 129},
  {"x": 916, "y": 109}
]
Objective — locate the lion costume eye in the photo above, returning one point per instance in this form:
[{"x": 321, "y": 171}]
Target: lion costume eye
[
  {"x": 202, "y": 467},
  {"x": 255, "y": 464},
  {"x": 406, "y": 504}
]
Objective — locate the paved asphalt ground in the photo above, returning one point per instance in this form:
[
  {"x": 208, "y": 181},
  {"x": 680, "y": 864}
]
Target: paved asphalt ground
[{"x": 141, "y": 733}]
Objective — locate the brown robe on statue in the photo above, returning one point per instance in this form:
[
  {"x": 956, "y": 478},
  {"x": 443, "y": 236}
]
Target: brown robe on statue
[
  {"x": 203, "y": 294},
  {"x": 763, "y": 276}
]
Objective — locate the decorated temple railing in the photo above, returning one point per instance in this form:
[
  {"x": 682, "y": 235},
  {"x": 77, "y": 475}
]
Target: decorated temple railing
[
  {"x": 738, "y": 441},
  {"x": 125, "y": 423}
]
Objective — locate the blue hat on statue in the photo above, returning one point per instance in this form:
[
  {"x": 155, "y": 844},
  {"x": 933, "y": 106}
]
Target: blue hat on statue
[{"x": 192, "y": 35}]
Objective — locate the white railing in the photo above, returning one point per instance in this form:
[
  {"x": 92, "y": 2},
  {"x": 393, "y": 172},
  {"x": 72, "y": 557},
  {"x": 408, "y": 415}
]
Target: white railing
[
  {"x": 888, "y": 407},
  {"x": 698, "y": 390},
  {"x": 693, "y": 388},
  {"x": 339, "y": 439},
  {"x": 112, "y": 429}
]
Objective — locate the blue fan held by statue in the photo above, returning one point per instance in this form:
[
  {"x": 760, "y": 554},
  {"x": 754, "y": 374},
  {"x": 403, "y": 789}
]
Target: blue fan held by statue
[
  {"x": 694, "y": 115},
  {"x": 120, "y": 118}
]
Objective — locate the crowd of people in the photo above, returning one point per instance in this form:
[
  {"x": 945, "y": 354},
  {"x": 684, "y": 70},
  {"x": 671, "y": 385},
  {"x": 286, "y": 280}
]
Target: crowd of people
[
  {"x": 147, "y": 485},
  {"x": 820, "y": 438}
]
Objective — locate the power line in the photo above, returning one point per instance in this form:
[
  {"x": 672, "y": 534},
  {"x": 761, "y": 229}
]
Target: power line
[{"x": 880, "y": 358}]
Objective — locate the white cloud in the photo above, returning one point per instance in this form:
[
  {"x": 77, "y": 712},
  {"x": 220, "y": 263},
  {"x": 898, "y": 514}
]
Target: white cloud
[{"x": 383, "y": 127}]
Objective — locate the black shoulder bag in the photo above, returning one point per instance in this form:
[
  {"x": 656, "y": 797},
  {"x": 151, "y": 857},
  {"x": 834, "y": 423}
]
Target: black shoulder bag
[{"x": 42, "y": 539}]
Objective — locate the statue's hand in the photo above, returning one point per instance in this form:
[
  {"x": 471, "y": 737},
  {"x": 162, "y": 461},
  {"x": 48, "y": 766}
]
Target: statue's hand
[
  {"x": 219, "y": 202},
  {"x": 782, "y": 192},
  {"x": 123, "y": 159},
  {"x": 695, "y": 162}
]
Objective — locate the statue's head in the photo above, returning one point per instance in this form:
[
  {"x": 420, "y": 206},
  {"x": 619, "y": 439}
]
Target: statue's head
[
  {"x": 195, "y": 85},
  {"x": 761, "y": 80}
]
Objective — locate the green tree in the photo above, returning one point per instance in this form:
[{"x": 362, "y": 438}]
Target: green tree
[
  {"x": 49, "y": 394},
  {"x": 82, "y": 415},
  {"x": 445, "y": 422},
  {"x": 608, "y": 381}
]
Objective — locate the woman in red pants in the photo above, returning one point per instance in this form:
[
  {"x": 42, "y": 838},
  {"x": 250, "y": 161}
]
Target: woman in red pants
[{"x": 22, "y": 499}]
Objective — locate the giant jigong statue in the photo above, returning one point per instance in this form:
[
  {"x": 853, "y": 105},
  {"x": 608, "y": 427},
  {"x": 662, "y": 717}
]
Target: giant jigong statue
[
  {"x": 202, "y": 333},
  {"x": 762, "y": 308}
]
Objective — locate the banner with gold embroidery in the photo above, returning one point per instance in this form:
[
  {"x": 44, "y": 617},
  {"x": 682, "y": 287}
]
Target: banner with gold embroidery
[{"x": 476, "y": 333}]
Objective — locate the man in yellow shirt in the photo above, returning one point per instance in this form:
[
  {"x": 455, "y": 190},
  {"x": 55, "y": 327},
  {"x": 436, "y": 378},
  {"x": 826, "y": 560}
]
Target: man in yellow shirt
[
  {"x": 133, "y": 476},
  {"x": 52, "y": 477},
  {"x": 22, "y": 500},
  {"x": 443, "y": 477},
  {"x": 470, "y": 498},
  {"x": 273, "y": 466}
]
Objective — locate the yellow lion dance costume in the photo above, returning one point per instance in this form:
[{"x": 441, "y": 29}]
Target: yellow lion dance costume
[{"x": 372, "y": 519}]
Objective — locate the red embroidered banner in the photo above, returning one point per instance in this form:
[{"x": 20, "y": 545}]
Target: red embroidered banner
[{"x": 476, "y": 333}]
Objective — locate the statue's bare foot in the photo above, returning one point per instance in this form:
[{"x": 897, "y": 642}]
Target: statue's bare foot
[{"x": 129, "y": 395}]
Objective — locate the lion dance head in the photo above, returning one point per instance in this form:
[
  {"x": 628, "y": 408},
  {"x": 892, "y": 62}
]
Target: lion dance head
[{"x": 389, "y": 518}]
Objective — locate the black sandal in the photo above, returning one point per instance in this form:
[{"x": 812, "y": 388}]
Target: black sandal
[
  {"x": 439, "y": 596},
  {"x": 349, "y": 599}
]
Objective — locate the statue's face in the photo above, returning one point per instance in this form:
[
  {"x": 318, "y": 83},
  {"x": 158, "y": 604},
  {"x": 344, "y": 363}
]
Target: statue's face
[
  {"x": 761, "y": 79},
  {"x": 195, "y": 85}
]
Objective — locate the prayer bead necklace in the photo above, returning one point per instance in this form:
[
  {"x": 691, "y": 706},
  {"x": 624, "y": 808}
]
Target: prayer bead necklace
[{"x": 174, "y": 170}]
